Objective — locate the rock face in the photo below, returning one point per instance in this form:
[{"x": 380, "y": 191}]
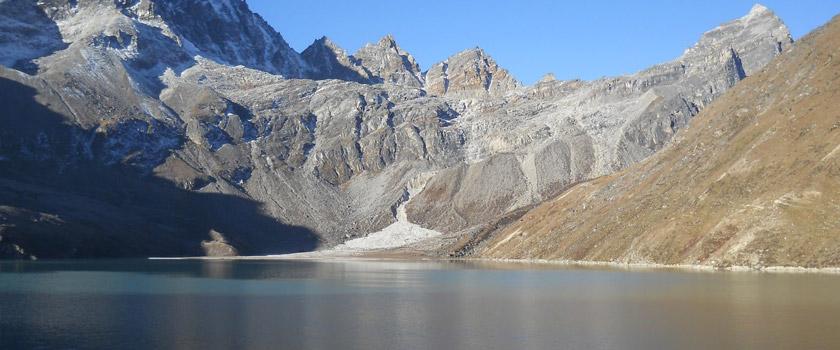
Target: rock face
[
  {"x": 223, "y": 30},
  {"x": 752, "y": 181},
  {"x": 388, "y": 63},
  {"x": 140, "y": 106},
  {"x": 469, "y": 73},
  {"x": 760, "y": 36}
]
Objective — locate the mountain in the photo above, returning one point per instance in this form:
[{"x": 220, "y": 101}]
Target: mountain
[
  {"x": 531, "y": 144},
  {"x": 468, "y": 72},
  {"x": 386, "y": 62},
  {"x": 134, "y": 131},
  {"x": 330, "y": 61},
  {"x": 224, "y": 30},
  {"x": 751, "y": 181},
  {"x": 381, "y": 63}
]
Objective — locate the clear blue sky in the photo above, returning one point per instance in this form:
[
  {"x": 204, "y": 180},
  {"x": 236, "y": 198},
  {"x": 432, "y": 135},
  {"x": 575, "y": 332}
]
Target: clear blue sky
[{"x": 573, "y": 39}]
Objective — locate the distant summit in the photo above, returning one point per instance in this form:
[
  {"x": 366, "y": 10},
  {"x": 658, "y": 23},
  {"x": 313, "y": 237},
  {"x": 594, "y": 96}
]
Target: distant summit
[
  {"x": 766, "y": 37},
  {"x": 469, "y": 72},
  {"x": 466, "y": 73},
  {"x": 388, "y": 63},
  {"x": 329, "y": 61}
]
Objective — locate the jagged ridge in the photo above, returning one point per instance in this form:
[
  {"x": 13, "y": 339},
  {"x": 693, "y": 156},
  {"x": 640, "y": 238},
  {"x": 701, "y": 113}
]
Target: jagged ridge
[{"x": 153, "y": 97}]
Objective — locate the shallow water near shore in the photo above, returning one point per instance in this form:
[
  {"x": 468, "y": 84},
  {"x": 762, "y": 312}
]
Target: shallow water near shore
[{"x": 357, "y": 304}]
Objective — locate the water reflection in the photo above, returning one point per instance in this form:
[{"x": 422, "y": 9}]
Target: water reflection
[{"x": 406, "y": 305}]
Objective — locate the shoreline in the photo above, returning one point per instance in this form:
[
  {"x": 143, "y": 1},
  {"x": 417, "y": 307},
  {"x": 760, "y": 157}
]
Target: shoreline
[
  {"x": 366, "y": 256},
  {"x": 657, "y": 266}
]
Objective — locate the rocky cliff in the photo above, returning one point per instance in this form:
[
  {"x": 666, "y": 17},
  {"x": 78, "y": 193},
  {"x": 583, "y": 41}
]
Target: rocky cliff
[
  {"x": 135, "y": 130},
  {"x": 751, "y": 181}
]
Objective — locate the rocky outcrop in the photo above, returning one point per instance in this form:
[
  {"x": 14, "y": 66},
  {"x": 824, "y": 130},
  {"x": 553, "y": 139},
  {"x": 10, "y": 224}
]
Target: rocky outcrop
[
  {"x": 218, "y": 246},
  {"x": 751, "y": 181},
  {"x": 467, "y": 74},
  {"x": 144, "y": 107}
]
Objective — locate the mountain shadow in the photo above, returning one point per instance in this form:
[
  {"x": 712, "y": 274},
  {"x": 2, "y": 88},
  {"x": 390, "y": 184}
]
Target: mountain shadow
[
  {"x": 59, "y": 200},
  {"x": 28, "y": 34}
]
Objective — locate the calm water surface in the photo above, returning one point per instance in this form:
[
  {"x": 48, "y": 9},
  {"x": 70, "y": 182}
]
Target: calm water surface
[{"x": 129, "y": 304}]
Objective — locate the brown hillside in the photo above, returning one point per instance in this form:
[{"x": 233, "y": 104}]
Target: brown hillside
[{"x": 753, "y": 181}]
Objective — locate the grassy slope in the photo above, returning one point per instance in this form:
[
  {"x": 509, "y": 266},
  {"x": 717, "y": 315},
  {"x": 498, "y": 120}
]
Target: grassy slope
[{"x": 754, "y": 181}]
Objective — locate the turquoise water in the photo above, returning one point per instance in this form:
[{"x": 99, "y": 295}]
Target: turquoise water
[{"x": 141, "y": 304}]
